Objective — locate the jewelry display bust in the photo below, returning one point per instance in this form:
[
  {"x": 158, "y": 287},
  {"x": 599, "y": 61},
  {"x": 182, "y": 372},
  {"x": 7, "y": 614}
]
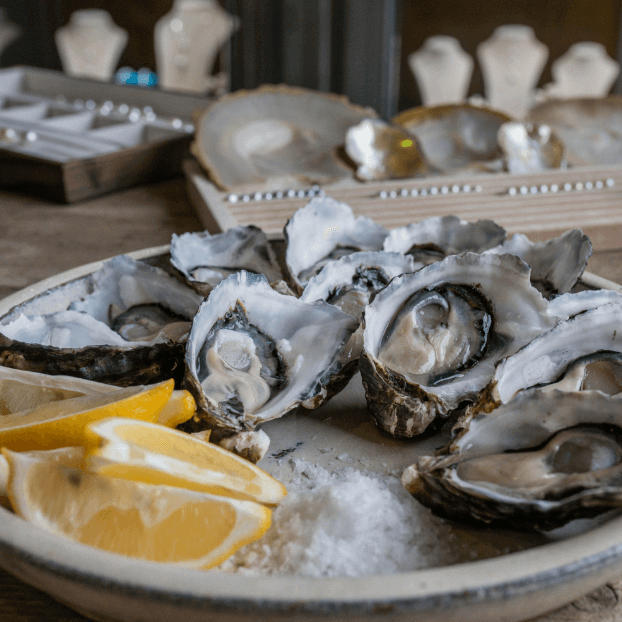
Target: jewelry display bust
[
  {"x": 511, "y": 61},
  {"x": 187, "y": 41},
  {"x": 585, "y": 70},
  {"x": 442, "y": 70},
  {"x": 91, "y": 44},
  {"x": 8, "y": 31}
]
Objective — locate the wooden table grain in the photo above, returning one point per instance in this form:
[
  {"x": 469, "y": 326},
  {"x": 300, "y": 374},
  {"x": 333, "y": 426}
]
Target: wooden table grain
[{"x": 39, "y": 239}]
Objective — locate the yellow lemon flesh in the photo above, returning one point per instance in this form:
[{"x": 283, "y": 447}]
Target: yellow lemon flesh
[
  {"x": 179, "y": 409},
  {"x": 155, "y": 523},
  {"x": 54, "y": 424},
  {"x": 153, "y": 454}
]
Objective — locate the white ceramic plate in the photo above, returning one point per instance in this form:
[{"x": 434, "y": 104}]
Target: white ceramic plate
[{"x": 511, "y": 587}]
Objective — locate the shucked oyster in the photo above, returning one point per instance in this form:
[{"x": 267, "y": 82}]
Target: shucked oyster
[
  {"x": 432, "y": 338},
  {"x": 206, "y": 259},
  {"x": 529, "y": 149},
  {"x": 434, "y": 238},
  {"x": 384, "y": 151},
  {"x": 556, "y": 264},
  {"x": 325, "y": 230},
  {"x": 538, "y": 462},
  {"x": 254, "y": 354}
]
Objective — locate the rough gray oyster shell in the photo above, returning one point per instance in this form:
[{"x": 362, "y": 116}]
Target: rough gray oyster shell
[
  {"x": 432, "y": 338},
  {"x": 254, "y": 354},
  {"x": 537, "y": 462}
]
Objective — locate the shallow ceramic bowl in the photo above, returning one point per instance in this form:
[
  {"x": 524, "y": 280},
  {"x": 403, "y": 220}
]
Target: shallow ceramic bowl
[{"x": 512, "y": 587}]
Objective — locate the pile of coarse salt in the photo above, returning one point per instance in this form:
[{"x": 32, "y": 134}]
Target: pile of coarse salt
[{"x": 349, "y": 523}]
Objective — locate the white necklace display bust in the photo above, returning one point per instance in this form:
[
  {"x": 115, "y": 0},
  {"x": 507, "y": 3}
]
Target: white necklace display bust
[
  {"x": 442, "y": 70},
  {"x": 512, "y": 61},
  {"x": 8, "y": 31},
  {"x": 187, "y": 40},
  {"x": 91, "y": 44}
]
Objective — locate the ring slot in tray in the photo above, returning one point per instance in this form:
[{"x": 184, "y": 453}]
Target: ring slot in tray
[{"x": 69, "y": 139}]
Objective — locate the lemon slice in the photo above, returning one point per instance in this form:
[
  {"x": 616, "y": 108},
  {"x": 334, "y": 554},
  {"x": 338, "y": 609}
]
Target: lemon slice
[
  {"x": 179, "y": 409},
  {"x": 59, "y": 423},
  {"x": 153, "y": 454},
  {"x": 155, "y": 523}
]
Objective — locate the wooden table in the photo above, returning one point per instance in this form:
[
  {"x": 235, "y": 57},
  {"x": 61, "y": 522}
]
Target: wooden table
[{"x": 39, "y": 239}]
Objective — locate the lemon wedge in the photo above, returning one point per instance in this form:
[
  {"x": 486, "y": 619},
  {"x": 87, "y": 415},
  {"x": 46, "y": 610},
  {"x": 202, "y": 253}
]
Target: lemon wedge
[
  {"x": 54, "y": 424},
  {"x": 155, "y": 523},
  {"x": 179, "y": 409},
  {"x": 153, "y": 454}
]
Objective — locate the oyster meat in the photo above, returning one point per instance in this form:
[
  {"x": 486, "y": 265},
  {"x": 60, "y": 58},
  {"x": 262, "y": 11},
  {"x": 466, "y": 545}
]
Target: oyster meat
[
  {"x": 434, "y": 238},
  {"x": 432, "y": 338},
  {"x": 322, "y": 231},
  {"x": 538, "y": 462},
  {"x": 254, "y": 354},
  {"x": 205, "y": 259}
]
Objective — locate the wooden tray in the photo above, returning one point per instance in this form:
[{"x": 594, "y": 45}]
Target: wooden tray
[
  {"x": 69, "y": 139},
  {"x": 540, "y": 205}
]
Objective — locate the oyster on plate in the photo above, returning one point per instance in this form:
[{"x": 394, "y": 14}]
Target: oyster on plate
[
  {"x": 434, "y": 238},
  {"x": 530, "y": 149},
  {"x": 322, "y": 231},
  {"x": 456, "y": 137},
  {"x": 556, "y": 264},
  {"x": 581, "y": 353},
  {"x": 384, "y": 151},
  {"x": 432, "y": 338},
  {"x": 205, "y": 259},
  {"x": 590, "y": 128},
  {"x": 275, "y": 137},
  {"x": 253, "y": 354},
  {"x": 538, "y": 462},
  {"x": 129, "y": 329}
]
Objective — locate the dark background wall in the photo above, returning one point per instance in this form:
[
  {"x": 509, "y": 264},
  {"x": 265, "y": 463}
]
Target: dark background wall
[{"x": 357, "y": 47}]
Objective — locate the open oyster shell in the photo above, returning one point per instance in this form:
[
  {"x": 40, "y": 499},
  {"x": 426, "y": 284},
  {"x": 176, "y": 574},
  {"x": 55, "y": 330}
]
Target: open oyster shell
[
  {"x": 205, "y": 259},
  {"x": 556, "y": 264},
  {"x": 254, "y": 354},
  {"x": 538, "y": 462},
  {"x": 432, "y": 338},
  {"x": 435, "y": 238},
  {"x": 322, "y": 231},
  {"x": 275, "y": 136},
  {"x": 456, "y": 137},
  {"x": 530, "y": 149},
  {"x": 384, "y": 151},
  {"x": 584, "y": 352}
]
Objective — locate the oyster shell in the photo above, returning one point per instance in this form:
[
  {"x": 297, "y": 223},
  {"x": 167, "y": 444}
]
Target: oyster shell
[
  {"x": 254, "y": 354},
  {"x": 434, "y": 238},
  {"x": 432, "y": 338},
  {"x": 456, "y": 137},
  {"x": 530, "y": 149},
  {"x": 591, "y": 129},
  {"x": 384, "y": 151},
  {"x": 205, "y": 259},
  {"x": 556, "y": 264},
  {"x": 539, "y": 462},
  {"x": 322, "y": 231},
  {"x": 584, "y": 352},
  {"x": 276, "y": 136}
]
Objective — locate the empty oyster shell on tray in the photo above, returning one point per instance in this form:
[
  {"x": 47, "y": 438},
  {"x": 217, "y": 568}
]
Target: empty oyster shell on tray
[
  {"x": 435, "y": 238},
  {"x": 538, "y": 462},
  {"x": 456, "y": 137},
  {"x": 591, "y": 129},
  {"x": 254, "y": 354},
  {"x": 432, "y": 338},
  {"x": 276, "y": 137},
  {"x": 529, "y": 149},
  {"x": 384, "y": 151},
  {"x": 322, "y": 231},
  {"x": 205, "y": 259}
]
